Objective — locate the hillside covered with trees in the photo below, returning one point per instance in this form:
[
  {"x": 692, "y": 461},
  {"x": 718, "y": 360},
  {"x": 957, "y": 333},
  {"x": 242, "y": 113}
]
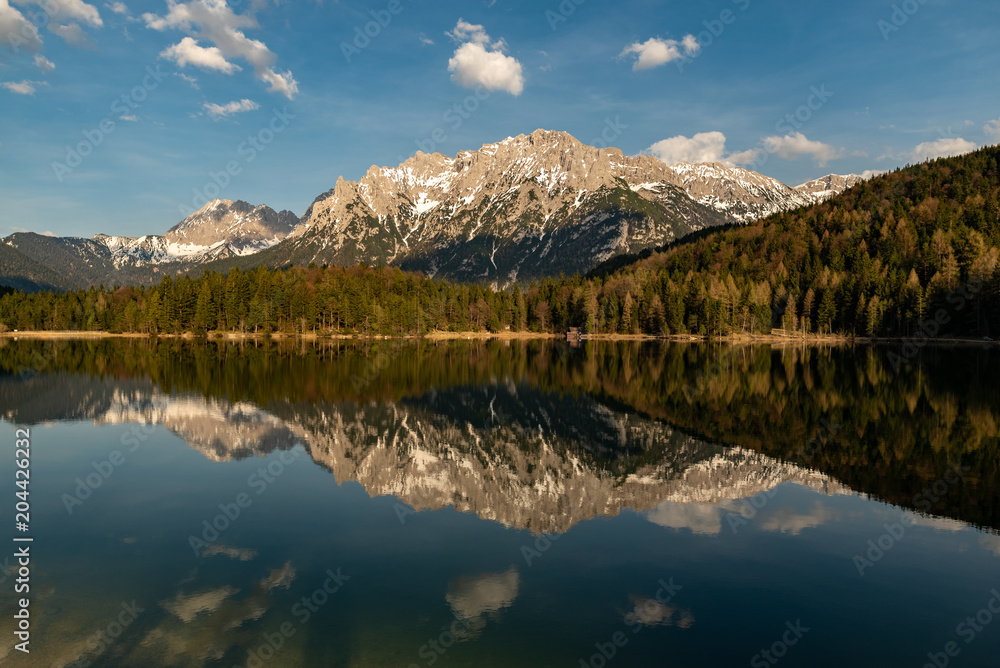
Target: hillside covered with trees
[
  {"x": 917, "y": 244},
  {"x": 915, "y": 250}
]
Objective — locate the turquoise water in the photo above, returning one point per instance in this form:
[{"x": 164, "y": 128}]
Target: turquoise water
[{"x": 493, "y": 520}]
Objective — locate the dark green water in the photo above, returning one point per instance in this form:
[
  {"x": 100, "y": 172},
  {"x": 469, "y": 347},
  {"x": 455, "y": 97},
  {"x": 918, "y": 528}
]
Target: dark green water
[{"x": 493, "y": 504}]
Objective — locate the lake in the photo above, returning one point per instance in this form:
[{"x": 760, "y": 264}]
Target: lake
[{"x": 503, "y": 503}]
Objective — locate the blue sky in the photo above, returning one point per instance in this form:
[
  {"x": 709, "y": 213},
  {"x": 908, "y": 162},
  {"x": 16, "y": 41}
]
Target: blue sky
[{"x": 176, "y": 102}]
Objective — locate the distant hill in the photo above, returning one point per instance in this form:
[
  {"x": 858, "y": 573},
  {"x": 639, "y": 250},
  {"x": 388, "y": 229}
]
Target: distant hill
[{"x": 23, "y": 272}]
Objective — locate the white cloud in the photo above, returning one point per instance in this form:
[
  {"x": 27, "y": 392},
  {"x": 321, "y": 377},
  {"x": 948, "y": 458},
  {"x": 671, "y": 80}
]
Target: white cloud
[
  {"x": 191, "y": 80},
  {"x": 478, "y": 62},
  {"x": 46, "y": 233},
  {"x": 942, "y": 148},
  {"x": 215, "y": 21},
  {"x": 117, "y": 7},
  {"x": 72, "y": 33},
  {"x": 871, "y": 173},
  {"x": 786, "y": 520},
  {"x": 64, "y": 11},
  {"x": 425, "y": 40},
  {"x": 16, "y": 31},
  {"x": 63, "y": 17},
  {"x": 650, "y": 612},
  {"x": 130, "y": 117},
  {"x": 487, "y": 593},
  {"x": 701, "y": 519},
  {"x": 218, "y": 111},
  {"x": 703, "y": 147},
  {"x": 796, "y": 145},
  {"x": 189, "y": 52},
  {"x": 655, "y": 51},
  {"x": 748, "y": 157},
  {"x": 711, "y": 147},
  {"x": 21, "y": 87},
  {"x": 992, "y": 130},
  {"x": 990, "y": 542},
  {"x": 469, "y": 32},
  {"x": 43, "y": 63}
]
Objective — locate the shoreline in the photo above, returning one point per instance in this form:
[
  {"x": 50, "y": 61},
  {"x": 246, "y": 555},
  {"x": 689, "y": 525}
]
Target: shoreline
[{"x": 810, "y": 339}]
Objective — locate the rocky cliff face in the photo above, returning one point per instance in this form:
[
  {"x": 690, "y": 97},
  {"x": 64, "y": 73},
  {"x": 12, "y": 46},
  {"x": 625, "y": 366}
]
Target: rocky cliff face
[
  {"x": 526, "y": 207},
  {"x": 529, "y": 206},
  {"x": 742, "y": 195},
  {"x": 824, "y": 188},
  {"x": 223, "y": 228}
]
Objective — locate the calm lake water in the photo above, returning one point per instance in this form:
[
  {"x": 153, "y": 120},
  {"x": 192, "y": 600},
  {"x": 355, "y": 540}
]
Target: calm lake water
[{"x": 503, "y": 504}]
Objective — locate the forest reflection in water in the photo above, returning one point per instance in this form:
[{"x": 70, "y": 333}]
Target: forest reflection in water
[{"x": 883, "y": 428}]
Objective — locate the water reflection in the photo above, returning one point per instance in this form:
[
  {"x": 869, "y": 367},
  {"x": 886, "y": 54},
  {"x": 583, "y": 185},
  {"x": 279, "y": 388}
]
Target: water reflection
[
  {"x": 476, "y": 600},
  {"x": 541, "y": 436},
  {"x": 752, "y": 475},
  {"x": 535, "y": 471}
]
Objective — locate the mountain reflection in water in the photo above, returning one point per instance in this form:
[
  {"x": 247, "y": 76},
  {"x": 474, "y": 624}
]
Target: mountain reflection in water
[{"x": 540, "y": 436}]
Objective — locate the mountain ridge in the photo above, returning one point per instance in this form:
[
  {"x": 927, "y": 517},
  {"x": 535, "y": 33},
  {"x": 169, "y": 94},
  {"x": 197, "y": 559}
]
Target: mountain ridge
[{"x": 526, "y": 207}]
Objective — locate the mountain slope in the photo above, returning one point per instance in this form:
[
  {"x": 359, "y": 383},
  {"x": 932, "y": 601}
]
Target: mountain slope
[
  {"x": 221, "y": 229},
  {"x": 23, "y": 272},
  {"x": 224, "y": 227},
  {"x": 526, "y": 207},
  {"x": 825, "y": 187},
  {"x": 883, "y": 258},
  {"x": 742, "y": 195}
]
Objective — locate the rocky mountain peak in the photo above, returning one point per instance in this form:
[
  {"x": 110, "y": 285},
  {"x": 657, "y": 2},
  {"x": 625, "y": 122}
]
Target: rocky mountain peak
[
  {"x": 530, "y": 205},
  {"x": 239, "y": 226},
  {"x": 742, "y": 194},
  {"x": 502, "y": 211},
  {"x": 825, "y": 187}
]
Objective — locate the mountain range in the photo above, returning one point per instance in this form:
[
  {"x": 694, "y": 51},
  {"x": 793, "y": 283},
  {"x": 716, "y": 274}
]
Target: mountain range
[{"x": 523, "y": 208}]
